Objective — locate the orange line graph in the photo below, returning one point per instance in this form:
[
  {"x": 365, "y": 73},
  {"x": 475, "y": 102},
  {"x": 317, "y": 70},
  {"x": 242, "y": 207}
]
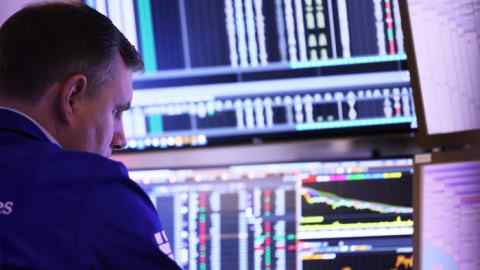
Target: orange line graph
[{"x": 405, "y": 261}]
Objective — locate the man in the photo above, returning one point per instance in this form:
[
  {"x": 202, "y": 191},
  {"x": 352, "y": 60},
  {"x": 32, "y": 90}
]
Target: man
[{"x": 65, "y": 79}]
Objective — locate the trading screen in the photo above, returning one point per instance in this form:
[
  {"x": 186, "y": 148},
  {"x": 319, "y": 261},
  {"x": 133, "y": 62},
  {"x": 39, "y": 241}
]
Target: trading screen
[
  {"x": 449, "y": 230},
  {"x": 220, "y": 71},
  {"x": 342, "y": 215},
  {"x": 445, "y": 35}
]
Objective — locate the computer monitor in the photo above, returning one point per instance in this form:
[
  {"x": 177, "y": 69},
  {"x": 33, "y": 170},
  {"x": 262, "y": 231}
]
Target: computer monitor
[
  {"x": 222, "y": 72},
  {"x": 442, "y": 39},
  {"x": 448, "y": 210},
  {"x": 354, "y": 214}
]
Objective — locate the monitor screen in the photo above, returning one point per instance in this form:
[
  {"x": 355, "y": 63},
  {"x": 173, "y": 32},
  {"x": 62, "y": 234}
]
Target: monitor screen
[
  {"x": 449, "y": 216},
  {"x": 225, "y": 71},
  {"x": 445, "y": 37},
  {"x": 313, "y": 215}
]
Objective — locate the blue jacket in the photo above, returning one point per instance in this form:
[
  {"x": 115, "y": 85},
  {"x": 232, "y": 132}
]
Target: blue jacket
[{"x": 71, "y": 210}]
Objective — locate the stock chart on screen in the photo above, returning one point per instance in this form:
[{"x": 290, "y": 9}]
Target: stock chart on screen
[
  {"x": 313, "y": 215},
  {"x": 221, "y": 71},
  {"x": 445, "y": 35}
]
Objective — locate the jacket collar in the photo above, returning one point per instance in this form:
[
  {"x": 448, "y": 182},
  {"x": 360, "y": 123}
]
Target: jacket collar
[{"x": 18, "y": 122}]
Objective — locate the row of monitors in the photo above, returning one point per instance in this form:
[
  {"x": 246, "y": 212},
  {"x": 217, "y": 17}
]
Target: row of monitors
[
  {"x": 227, "y": 71},
  {"x": 356, "y": 214}
]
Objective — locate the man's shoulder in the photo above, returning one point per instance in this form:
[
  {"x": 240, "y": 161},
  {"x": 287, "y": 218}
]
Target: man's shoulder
[
  {"x": 87, "y": 171},
  {"x": 107, "y": 186},
  {"x": 102, "y": 174},
  {"x": 91, "y": 164},
  {"x": 105, "y": 175}
]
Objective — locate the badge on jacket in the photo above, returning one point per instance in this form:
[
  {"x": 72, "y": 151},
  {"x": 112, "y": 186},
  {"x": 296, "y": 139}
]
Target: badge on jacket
[{"x": 163, "y": 244}]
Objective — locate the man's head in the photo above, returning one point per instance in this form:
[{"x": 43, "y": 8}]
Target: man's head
[{"x": 68, "y": 67}]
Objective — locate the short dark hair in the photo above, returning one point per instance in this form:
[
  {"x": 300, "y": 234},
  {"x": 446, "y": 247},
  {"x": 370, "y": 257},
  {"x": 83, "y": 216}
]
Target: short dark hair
[{"x": 45, "y": 43}]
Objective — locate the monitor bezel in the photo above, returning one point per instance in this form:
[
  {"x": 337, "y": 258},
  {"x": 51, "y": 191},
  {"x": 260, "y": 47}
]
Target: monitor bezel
[
  {"x": 452, "y": 139},
  {"x": 307, "y": 150}
]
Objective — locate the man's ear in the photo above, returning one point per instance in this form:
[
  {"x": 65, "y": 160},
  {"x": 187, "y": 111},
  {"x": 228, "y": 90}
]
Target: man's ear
[{"x": 72, "y": 93}]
